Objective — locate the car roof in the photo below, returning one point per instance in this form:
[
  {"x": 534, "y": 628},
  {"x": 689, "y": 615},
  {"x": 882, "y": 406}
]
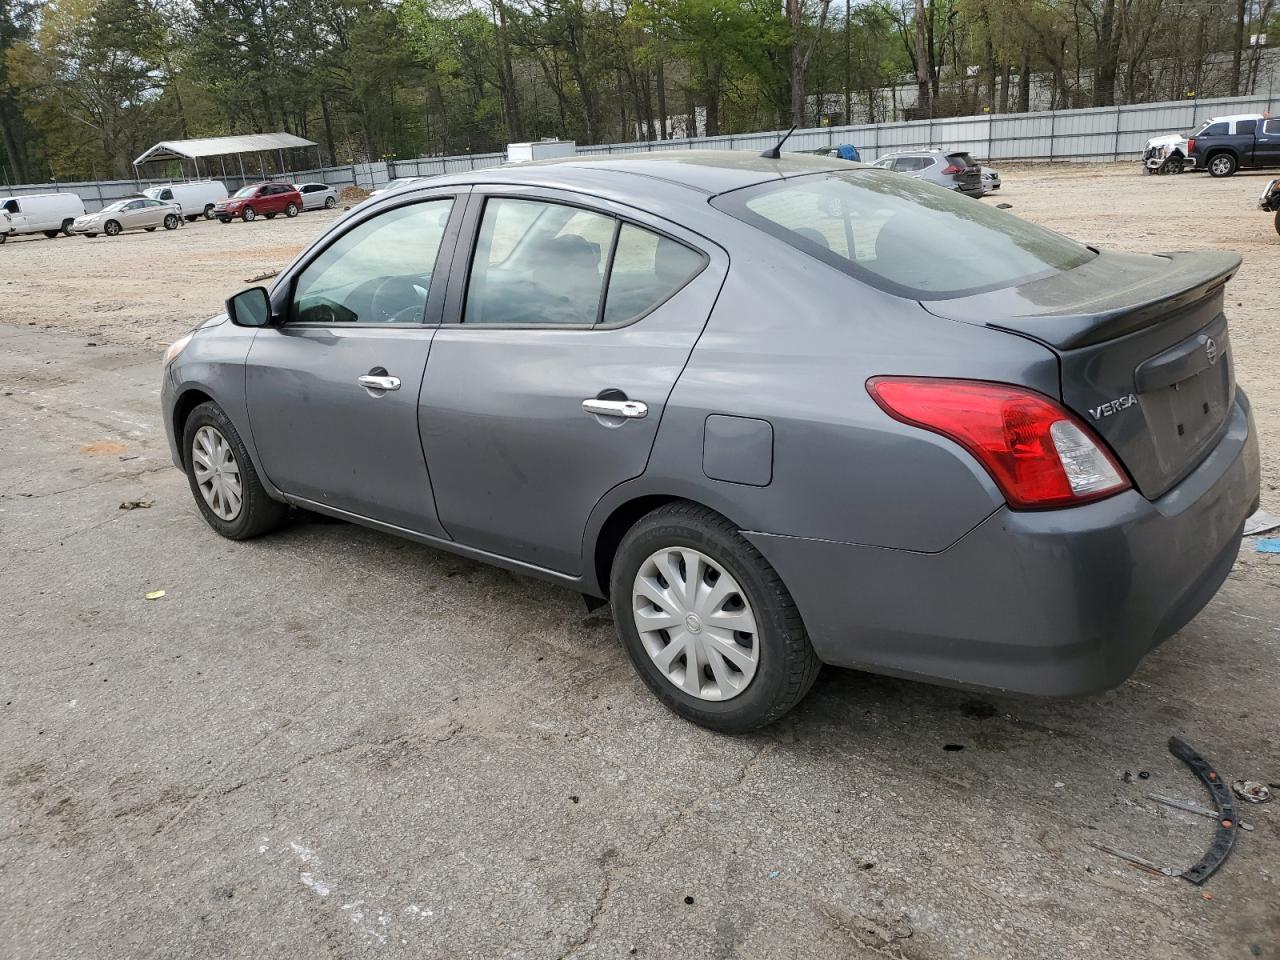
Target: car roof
[
  {"x": 705, "y": 171},
  {"x": 1234, "y": 117}
]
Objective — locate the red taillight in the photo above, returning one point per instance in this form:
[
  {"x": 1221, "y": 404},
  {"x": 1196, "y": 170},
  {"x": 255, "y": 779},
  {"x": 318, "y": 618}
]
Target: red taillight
[
  {"x": 953, "y": 170},
  {"x": 1191, "y": 145},
  {"x": 1037, "y": 453}
]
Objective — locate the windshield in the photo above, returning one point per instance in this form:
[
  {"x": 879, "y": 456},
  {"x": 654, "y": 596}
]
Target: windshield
[
  {"x": 118, "y": 205},
  {"x": 903, "y": 235},
  {"x": 246, "y": 191}
]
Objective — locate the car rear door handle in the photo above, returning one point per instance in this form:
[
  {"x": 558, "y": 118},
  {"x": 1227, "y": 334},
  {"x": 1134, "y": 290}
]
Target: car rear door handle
[
  {"x": 371, "y": 382},
  {"x": 630, "y": 409}
]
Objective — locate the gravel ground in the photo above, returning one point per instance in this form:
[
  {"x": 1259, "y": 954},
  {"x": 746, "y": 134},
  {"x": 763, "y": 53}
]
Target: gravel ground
[{"x": 332, "y": 743}]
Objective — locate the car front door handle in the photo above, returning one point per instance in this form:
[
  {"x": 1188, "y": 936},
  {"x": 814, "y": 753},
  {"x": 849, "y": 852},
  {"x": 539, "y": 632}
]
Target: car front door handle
[
  {"x": 371, "y": 382},
  {"x": 630, "y": 409}
]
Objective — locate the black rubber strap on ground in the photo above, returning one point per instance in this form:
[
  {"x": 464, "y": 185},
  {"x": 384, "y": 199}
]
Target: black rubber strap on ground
[{"x": 1225, "y": 837}]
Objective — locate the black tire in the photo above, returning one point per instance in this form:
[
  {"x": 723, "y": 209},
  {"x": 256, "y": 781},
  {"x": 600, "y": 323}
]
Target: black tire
[
  {"x": 258, "y": 514},
  {"x": 291, "y": 210},
  {"x": 224, "y": 219},
  {"x": 66, "y": 226},
  {"x": 4, "y": 237},
  {"x": 191, "y": 219},
  {"x": 269, "y": 216},
  {"x": 149, "y": 229},
  {"x": 1278, "y": 221},
  {"x": 247, "y": 214},
  {"x": 91, "y": 235},
  {"x": 1222, "y": 164},
  {"x": 111, "y": 228},
  {"x": 208, "y": 211},
  {"x": 171, "y": 221},
  {"x": 787, "y": 665},
  {"x": 330, "y": 203},
  {"x": 51, "y": 233}
]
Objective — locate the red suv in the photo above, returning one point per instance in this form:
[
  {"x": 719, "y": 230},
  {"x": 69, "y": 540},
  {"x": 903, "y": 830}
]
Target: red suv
[{"x": 266, "y": 199}]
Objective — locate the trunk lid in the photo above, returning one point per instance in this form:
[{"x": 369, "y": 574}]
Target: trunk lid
[
  {"x": 1144, "y": 354},
  {"x": 970, "y": 175}
]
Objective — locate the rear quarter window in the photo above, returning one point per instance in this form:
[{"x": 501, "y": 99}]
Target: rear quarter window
[{"x": 902, "y": 235}]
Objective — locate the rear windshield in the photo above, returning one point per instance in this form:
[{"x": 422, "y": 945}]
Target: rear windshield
[
  {"x": 903, "y": 235},
  {"x": 962, "y": 159}
]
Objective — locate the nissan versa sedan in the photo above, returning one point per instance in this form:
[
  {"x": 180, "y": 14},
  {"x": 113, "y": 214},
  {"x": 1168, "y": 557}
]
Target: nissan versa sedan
[{"x": 776, "y": 412}]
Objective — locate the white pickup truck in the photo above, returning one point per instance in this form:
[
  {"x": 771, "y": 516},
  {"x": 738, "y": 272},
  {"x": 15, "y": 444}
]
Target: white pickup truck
[{"x": 1167, "y": 154}]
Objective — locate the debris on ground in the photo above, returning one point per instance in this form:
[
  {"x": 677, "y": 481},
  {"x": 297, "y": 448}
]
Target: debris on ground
[
  {"x": 1188, "y": 807},
  {"x": 102, "y": 447},
  {"x": 1251, "y": 791},
  {"x": 1004, "y": 206},
  {"x": 1260, "y": 522},
  {"x": 155, "y": 594},
  {"x": 266, "y": 275},
  {"x": 1270, "y": 545},
  {"x": 137, "y": 504}
]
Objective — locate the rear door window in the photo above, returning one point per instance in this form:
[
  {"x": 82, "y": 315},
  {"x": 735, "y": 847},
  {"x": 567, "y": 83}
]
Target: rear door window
[
  {"x": 1271, "y": 126},
  {"x": 647, "y": 269},
  {"x": 1246, "y": 127},
  {"x": 538, "y": 262},
  {"x": 902, "y": 235}
]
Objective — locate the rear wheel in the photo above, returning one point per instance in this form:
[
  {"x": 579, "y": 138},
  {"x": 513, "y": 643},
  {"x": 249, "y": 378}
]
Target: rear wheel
[
  {"x": 67, "y": 225},
  {"x": 330, "y": 203},
  {"x": 1277, "y": 224},
  {"x": 707, "y": 623},
  {"x": 171, "y": 221},
  {"x": 111, "y": 228},
  {"x": 224, "y": 219},
  {"x": 222, "y": 478},
  {"x": 1222, "y": 165},
  {"x": 247, "y": 214},
  {"x": 51, "y": 233},
  {"x": 291, "y": 210}
]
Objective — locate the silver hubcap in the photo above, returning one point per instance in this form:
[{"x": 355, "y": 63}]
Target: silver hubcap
[
  {"x": 696, "y": 624},
  {"x": 1221, "y": 166},
  {"x": 217, "y": 473}
]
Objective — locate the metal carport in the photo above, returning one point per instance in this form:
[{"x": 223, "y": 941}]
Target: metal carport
[{"x": 207, "y": 148}]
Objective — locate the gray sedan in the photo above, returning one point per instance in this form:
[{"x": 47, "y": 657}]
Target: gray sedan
[
  {"x": 138, "y": 213},
  {"x": 317, "y": 196},
  {"x": 776, "y": 412}
]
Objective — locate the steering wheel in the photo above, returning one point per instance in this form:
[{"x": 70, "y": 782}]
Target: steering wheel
[{"x": 397, "y": 300}]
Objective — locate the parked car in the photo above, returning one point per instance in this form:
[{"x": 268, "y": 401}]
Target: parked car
[
  {"x": 1167, "y": 154},
  {"x": 138, "y": 214},
  {"x": 966, "y": 449},
  {"x": 1271, "y": 201},
  {"x": 990, "y": 180},
  {"x": 317, "y": 196},
  {"x": 955, "y": 171},
  {"x": 196, "y": 198},
  {"x": 47, "y": 213},
  {"x": 843, "y": 151},
  {"x": 1225, "y": 144},
  {"x": 260, "y": 199},
  {"x": 393, "y": 184}
]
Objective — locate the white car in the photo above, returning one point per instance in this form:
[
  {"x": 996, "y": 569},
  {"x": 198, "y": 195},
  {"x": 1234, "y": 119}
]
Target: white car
[
  {"x": 317, "y": 196},
  {"x": 398, "y": 182},
  {"x": 195, "y": 198},
  {"x": 47, "y": 213},
  {"x": 1167, "y": 154}
]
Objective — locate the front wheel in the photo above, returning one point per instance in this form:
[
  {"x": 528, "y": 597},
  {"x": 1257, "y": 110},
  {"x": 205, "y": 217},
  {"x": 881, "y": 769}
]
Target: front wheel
[
  {"x": 707, "y": 623},
  {"x": 291, "y": 210},
  {"x": 111, "y": 228},
  {"x": 1222, "y": 165},
  {"x": 247, "y": 214},
  {"x": 171, "y": 221},
  {"x": 222, "y": 478},
  {"x": 208, "y": 211}
]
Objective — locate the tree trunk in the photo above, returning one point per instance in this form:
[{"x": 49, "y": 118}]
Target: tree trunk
[
  {"x": 12, "y": 147},
  {"x": 1004, "y": 88},
  {"x": 328, "y": 129},
  {"x": 1104, "y": 81},
  {"x": 924, "y": 105},
  {"x": 662, "y": 101},
  {"x": 1242, "y": 10},
  {"x": 1024, "y": 83}
]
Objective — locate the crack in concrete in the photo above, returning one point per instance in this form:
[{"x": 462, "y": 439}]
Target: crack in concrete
[{"x": 597, "y": 911}]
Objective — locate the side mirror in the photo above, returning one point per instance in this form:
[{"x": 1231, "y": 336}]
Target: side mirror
[{"x": 250, "y": 308}]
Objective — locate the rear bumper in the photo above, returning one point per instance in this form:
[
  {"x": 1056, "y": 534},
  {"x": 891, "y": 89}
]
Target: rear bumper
[{"x": 1055, "y": 603}]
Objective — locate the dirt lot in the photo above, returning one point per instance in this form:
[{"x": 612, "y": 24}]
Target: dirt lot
[{"x": 331, "y": 743}]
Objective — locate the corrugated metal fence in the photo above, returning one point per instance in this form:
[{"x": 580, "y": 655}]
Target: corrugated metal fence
[{"x": 1100, "y": 134}]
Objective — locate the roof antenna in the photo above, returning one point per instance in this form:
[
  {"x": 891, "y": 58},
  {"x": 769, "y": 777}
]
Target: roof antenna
[{"x": 775, "y": 152}]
